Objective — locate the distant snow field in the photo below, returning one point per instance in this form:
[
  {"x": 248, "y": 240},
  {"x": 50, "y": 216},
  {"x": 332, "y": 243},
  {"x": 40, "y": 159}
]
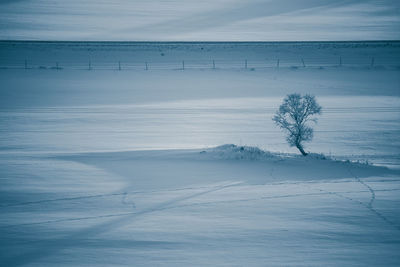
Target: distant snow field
[{"x": 183, "y": 166}]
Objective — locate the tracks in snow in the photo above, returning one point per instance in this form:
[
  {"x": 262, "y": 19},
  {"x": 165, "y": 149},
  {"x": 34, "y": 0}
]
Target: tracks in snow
[
  {"x": 372, "y": 199},
  {"x": 171, "y": 204},
  {"x": 157, "y": 207},
  {"x": 368, "y": 205}
]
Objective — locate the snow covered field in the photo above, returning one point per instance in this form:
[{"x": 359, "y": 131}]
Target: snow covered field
[{"x": 107, "y": 167}]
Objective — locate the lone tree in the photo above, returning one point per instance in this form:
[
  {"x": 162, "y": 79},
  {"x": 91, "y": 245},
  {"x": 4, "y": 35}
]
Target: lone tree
[{"x": 293, "y": 117}]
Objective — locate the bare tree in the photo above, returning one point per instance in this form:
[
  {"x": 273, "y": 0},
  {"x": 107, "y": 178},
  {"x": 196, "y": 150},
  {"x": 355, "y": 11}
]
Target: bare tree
[{"x": 294, "y": 116}]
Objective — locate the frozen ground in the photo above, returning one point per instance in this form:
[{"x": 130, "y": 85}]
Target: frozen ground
[
  {"x": 108, "y": 167},
  {"x": 129, "y": 110},
  {"x": 223, "y": 206}
]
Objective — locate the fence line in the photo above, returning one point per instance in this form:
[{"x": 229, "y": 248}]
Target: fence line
[{"x": 371, "y": 62}]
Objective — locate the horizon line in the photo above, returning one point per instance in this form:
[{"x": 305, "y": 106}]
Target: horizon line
[{"x": 198, "y": 41}]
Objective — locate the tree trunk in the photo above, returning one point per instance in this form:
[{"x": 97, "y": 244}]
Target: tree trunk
[{"x": 299, "y": 147}]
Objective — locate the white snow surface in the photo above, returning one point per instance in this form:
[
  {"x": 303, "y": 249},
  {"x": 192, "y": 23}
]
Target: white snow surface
[
  {"x": 197, "y": 207},
  {"x": 172, "y": 167}
]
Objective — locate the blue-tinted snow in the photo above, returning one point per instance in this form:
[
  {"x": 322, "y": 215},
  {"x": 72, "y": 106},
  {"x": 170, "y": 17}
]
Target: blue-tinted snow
[{"x": 77, "y": 189}]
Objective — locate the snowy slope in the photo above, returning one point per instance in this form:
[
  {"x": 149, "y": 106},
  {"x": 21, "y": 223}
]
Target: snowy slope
[
  {"x": 104, "y": 167},
  {"x": 198, "y": 207}
]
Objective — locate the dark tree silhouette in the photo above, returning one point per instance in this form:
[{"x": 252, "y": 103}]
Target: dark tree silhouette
[{"x": 293, "y": 117}]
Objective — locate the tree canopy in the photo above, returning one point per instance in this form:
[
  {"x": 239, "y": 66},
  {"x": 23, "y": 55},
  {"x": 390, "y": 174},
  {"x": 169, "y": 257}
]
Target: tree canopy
[{"x": 294, "y": 115}]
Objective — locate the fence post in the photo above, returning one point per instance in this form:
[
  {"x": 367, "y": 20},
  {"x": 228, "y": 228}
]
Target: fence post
[
  {"x": 372, "y": 61},
  {"x": 147, "y": 67},
  {"x": 57, "y": 68},
  {"x": 245, "y": 63},
  {"x": 26, "y": 64},
  {"x": 119, "y": 65},
  {"x": 304, "y": 65},
  {"x": 90, "y": 65},
  {"x": 213, "y": 64},
  {"x": 340, "y": 61},
  {"x": 277, "y": 63},
  {"x": 183, "y": 64}
]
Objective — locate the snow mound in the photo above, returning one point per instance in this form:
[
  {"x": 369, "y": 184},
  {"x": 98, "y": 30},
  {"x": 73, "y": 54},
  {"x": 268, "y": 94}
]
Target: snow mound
[
  {"x": 234, "y": 152},
  {"x": 317, "y": 156},
  {"x": 231, "y": 151}
]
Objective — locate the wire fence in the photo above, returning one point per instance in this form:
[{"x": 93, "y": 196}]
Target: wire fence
[{"x": 275, "y": 63}]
